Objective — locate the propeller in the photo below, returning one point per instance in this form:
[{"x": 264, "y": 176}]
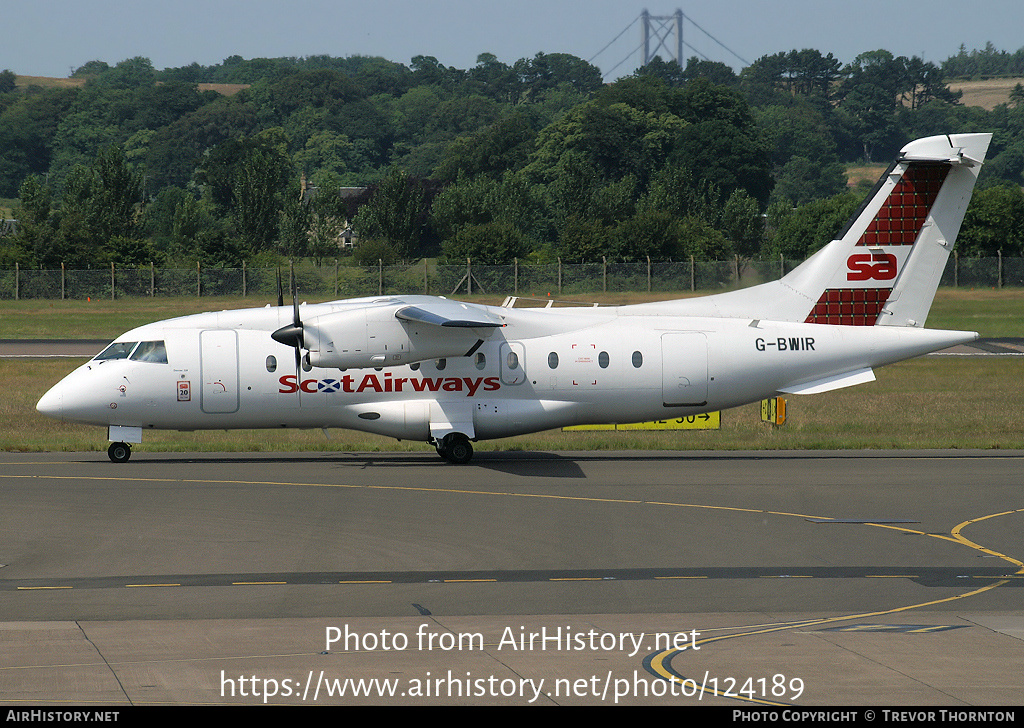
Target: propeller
[{"x": 292, "y": 334}]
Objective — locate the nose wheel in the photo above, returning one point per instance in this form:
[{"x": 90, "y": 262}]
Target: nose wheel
[{"x": 119, "y": 452}]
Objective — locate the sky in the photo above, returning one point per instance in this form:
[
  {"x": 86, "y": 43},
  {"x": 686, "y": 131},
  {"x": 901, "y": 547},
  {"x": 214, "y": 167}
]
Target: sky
[{"x": 52, "y": 38}]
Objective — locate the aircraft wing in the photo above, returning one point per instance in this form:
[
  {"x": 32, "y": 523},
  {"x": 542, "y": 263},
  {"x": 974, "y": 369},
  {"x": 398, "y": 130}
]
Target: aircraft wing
[{"x": 450, "y": 314}]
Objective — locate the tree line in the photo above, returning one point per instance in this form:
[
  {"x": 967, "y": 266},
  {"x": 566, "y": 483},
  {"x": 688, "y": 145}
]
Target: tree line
[{"x": 534, "y": 160}]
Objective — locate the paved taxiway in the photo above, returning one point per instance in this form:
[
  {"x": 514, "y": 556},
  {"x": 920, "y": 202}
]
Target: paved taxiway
[{"x": 859, "y": 578}]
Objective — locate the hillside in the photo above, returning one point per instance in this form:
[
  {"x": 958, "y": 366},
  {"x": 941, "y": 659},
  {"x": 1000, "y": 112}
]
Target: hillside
[
  {"x": 987, "y": 93},
  {"x": 225, "y": 89}
]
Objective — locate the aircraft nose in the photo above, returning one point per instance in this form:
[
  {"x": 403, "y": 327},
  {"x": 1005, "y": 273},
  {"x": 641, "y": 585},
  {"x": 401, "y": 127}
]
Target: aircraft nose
[{"x": 51, "y": 404}]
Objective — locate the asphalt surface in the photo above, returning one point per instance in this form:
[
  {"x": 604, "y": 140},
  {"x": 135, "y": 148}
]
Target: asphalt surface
[{"x": 732, "y": 579}]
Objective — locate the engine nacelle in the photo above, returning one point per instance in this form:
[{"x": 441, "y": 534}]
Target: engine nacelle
[{"x": 373, "y": 337}]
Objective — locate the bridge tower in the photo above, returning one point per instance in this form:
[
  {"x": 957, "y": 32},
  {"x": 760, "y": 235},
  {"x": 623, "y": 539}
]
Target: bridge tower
[{"x": 658, "y": 32}]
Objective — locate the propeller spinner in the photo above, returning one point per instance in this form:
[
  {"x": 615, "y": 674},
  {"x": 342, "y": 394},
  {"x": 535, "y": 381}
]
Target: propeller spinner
[{"x": 292, "y": 334}]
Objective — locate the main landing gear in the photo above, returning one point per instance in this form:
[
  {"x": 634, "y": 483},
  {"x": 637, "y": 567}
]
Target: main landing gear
[
  {"x": 455, "y": 448},
  {"x": 119, "y": 452}
]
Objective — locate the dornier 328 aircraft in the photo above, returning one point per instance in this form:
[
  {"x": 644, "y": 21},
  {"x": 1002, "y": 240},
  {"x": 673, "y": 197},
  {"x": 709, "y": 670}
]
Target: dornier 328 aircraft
[{"x": 450, "y": 373}]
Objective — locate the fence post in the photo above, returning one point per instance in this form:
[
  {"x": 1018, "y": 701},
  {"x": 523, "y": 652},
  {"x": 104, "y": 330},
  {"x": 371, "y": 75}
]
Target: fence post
[
  {"x": 152, "y": 280},
  {"x": 782, "y": 265},
  {"x": 648, "y": 274},
  {"x": 291, "y": 274},
  {"x": 515, "y": 277},
  {"x": 199, "y": 280},
  {"x": 999, "y": 282},
  {"x": 469, "y": 278},
  {"x": 111, "y": 280},
  {"x": 426, "y": 285},
  {"x": 693, "y": 277},
  {"x": 17, "y": 281},
  {"x": 62, "y": 281},
  {"x": 243, "y": 279},
  {"x": 335, "y": 277},
  {"x": 956, "y": 269}
]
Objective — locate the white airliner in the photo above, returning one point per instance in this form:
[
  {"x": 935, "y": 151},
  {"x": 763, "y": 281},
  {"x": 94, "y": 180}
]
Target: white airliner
[{"x": 449, "y": 373}]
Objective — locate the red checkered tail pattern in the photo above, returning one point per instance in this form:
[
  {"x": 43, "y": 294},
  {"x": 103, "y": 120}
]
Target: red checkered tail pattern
[{"x": 884, "y": 267}]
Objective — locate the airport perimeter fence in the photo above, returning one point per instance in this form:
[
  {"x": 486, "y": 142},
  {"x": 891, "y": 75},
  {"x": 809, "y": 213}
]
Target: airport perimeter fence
[{"x": 519, "y": 279}]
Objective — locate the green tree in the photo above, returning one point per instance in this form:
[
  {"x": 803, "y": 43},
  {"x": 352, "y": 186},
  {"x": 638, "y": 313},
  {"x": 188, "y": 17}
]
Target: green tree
[
  {"x": 129, "y": 73},
  {"x": 994, "y": 222},
  {"x": 396, "y": 213},
  {"x": 653, "y": 233},
  {"x": 800, "y": 232},
  {"x": 583, "y": 240},
  {"x": 500, "y": 147},
  {"x": 258, "y": 183},
  {"x": 492, "y": 243},
  {"x": 742, "y": 224},
  {"x": 8, "y": 81}
]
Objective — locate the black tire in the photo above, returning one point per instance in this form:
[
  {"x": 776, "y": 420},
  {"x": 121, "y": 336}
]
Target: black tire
[
  {"x": 457, "y": 449},
  {"x": 119, "y": 452}
]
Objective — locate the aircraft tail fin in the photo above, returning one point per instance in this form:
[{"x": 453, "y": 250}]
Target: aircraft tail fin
[{"x": 884, "y": 267}]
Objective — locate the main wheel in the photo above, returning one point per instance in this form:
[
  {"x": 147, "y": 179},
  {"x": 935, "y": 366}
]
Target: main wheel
[
  {"x": 119, "y": 452},
  {"x": 457, "y": 449}
]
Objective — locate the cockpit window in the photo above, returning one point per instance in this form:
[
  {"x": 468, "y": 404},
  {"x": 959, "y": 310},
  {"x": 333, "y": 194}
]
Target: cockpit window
[
  {"x": 151, "y": 351},
  {"x": 117, "y": 350}
]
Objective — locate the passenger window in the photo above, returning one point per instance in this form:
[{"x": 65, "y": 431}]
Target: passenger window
[
  {"x": 638, "y": 359},
  {"x": 553, "y": 360},
  {"x": 512, "y": 360},
  {"x": 602, "y": 360},
  {"x": 441, "y": 364},
  {"x": 151, "y": 351},
  {"x": 117, "y": 350},
  {"x": 271, "y": 363},
  {"x": 481, "y": 361}
]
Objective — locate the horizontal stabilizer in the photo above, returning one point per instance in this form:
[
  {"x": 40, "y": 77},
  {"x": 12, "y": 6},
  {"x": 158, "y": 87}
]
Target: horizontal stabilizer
[
  {"x": 449, "y": 313},
  {"x": 836, "y": 381}
]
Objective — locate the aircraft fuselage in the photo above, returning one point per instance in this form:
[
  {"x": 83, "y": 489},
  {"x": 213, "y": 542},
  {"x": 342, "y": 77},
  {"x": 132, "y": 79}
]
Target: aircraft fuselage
[{"x": 587, "y": 365}]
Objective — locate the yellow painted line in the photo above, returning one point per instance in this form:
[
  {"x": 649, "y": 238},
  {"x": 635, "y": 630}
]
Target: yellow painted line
[
  {"x": 577, "y": 578},
  {"x": 365, "y": 581},
  {"x": 141, "y": 585},
  {"x": 458, "y": 581},
  {"x": 680, "y": 577},
  {"x": 256, "y": 583}
]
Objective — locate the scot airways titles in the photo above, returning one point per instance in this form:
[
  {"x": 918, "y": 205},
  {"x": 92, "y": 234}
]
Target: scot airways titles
[{"x": 389, "y": 384}]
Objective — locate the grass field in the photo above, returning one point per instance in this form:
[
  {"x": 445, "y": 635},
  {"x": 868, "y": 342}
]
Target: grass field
[{"x": 931, "y": 402}]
